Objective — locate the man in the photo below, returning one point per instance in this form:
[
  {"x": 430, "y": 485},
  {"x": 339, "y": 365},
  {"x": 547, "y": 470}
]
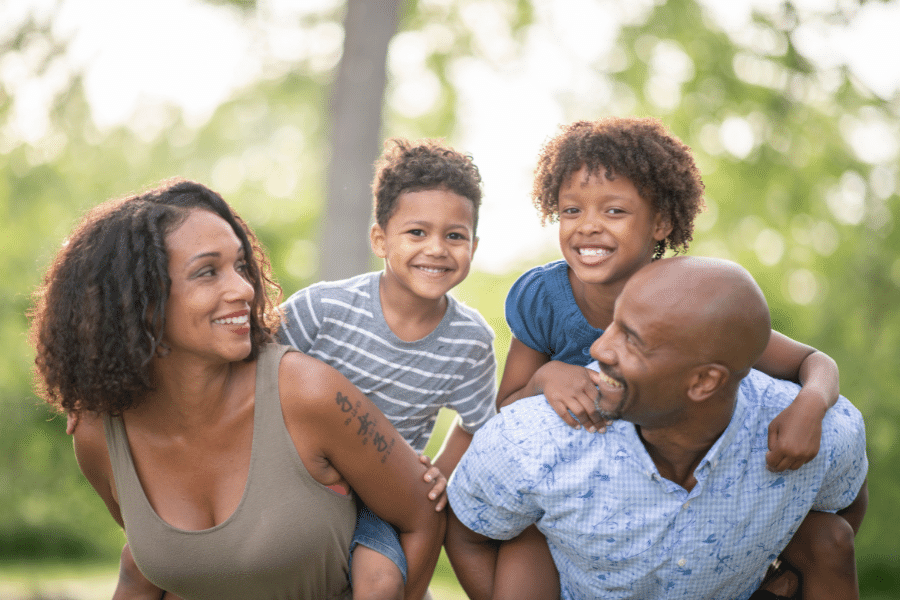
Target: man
[{"x": 674, "y": 500}]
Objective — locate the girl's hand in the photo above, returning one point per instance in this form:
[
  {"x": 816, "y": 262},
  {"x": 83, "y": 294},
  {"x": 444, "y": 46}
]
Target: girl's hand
[
  {"x": 438, "y": 491},
  {"x": 794, "y": 435},
  {"x": 572, "y": 390}
]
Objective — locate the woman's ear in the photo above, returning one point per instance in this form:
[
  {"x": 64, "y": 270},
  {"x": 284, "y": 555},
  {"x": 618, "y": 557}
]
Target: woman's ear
[
  {"x": 376, "y": 237},
  {"x": 706, "y": 380}
]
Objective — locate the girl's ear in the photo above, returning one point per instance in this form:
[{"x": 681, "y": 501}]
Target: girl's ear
[
  {"x": 662, "y": 227},
  {"x": 376, "y": 237},
  {"x": 706, "y": 380}
]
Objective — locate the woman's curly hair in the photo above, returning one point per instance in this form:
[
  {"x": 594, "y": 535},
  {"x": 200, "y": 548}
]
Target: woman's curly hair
[
  {"x": 99, "y": 315},
  {"x": 659, "y": 165},
  {"x": 422, "y": 165}
]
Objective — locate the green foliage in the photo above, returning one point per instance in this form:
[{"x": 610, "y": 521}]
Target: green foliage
[{"x": 788, "y": 197}]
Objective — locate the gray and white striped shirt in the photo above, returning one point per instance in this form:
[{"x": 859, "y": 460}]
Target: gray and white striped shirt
[{"x": 341, "y": 323}]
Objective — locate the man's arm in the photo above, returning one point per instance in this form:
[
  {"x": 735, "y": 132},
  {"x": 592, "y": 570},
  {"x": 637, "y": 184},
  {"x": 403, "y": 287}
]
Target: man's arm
[{"x": 473, "y": 557}]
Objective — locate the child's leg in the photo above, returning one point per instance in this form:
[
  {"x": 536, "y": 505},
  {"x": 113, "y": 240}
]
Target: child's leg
[
  {"x": 377, "y": 562},
  {"x": 822, "y": 551},
  {"x": 525, "y": 569}
]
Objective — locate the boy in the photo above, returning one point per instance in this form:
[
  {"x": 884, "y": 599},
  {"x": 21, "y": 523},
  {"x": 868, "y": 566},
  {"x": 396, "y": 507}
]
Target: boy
[{"x": 399, "y": 337}]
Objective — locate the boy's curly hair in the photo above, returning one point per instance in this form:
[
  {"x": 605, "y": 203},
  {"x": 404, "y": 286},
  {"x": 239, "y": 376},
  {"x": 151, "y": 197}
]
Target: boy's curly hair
[
  {"x": 99, "y": 316},
  {"x": 659, "y": 165},
  {"x": 407, "y": 166}
]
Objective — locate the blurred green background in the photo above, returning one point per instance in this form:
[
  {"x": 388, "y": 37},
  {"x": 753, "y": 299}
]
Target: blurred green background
[{"x": 792, "y": 110}]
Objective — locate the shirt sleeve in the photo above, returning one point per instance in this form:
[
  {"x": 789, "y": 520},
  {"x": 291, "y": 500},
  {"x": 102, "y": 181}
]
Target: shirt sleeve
[
  {"x": 300, "y": 323},
  {"x": 476, "y": 400},
  {"x": 527, "y": 312},
  {"x": 490, "y": 489},
  {"x": 844, "y": 438}
]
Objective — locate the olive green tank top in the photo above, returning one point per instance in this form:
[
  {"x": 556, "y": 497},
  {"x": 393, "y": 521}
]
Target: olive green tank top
[{"x": 289, "y": 537}]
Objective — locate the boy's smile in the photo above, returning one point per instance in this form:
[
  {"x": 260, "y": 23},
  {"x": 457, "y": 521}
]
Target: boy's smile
[{"x": 427, "y": 245}]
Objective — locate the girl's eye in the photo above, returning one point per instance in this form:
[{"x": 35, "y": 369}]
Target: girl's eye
[{"x": 571, "y": 210}]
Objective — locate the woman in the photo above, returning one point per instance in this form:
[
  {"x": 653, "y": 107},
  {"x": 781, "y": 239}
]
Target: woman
[{"x": 225, "y": 457}]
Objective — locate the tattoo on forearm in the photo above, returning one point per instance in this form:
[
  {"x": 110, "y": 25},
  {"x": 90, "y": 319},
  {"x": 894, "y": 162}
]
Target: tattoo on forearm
[{"x": 368, "y": 425}]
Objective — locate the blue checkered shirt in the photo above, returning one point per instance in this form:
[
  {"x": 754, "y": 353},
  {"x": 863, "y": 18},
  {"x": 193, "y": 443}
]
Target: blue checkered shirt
[{"x": 617, "y": 529}]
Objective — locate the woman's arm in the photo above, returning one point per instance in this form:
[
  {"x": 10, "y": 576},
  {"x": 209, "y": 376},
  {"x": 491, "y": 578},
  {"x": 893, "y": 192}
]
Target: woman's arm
[
  {"x": 794, "y": 435},
  {"x": 339, "y": 428}
]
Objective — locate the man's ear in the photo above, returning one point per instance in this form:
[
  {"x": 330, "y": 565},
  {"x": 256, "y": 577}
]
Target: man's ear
[
  {"x": 706, "y": 380},
  {"x": 376, "y": 237}
]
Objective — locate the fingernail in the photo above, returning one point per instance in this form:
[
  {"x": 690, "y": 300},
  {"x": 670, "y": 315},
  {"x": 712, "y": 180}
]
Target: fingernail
[{"x": 593, "y": 429}]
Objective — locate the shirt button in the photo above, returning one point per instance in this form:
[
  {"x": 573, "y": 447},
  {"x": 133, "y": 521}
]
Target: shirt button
[
  {"x": 686, "y": 504},
  {"x": 682, "y": 562}
]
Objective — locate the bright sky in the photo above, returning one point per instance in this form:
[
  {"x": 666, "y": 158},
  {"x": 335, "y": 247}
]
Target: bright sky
[{"x": 194, "y": 54}]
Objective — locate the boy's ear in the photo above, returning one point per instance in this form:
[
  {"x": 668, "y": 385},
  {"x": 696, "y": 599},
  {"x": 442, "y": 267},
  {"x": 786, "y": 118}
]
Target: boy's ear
[
  {"x": 474, "y": 245},
  {"x": 376, "y": 237},
  {"x": 662, "y": 227},
  {"x": 706, "y": 380}
]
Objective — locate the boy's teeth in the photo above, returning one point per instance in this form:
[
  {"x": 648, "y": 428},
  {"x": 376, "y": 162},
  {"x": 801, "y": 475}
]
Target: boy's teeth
[
  {"x": 430, "y": 270},
  {"x": 593, "y": 251},
  {"x": 234, "y": 320}
]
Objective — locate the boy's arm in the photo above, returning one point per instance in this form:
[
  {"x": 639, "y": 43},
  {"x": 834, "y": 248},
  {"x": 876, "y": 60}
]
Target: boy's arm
[
  {"x": 568, "y": 388},
  {"x": 794, "y": 435}
]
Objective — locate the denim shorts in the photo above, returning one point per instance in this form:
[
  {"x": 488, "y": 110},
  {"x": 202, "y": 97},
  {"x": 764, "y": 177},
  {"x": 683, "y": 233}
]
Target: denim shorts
[{"x": 374, "y": 532}]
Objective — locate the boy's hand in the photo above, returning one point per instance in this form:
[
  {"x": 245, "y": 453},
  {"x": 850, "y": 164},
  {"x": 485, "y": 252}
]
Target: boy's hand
[
  {"x": 438, "y": 492},
  {"x": 572, "y": 390},
  {"x": 794, "y": 435}
]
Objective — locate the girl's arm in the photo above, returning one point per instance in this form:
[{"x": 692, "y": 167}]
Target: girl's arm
[
  {"x": 794, "y": 435},
  {"x": 347, "y": 433},
  {"x": 568, "y": 388}
]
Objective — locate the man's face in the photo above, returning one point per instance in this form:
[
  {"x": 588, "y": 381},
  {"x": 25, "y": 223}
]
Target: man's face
[{"x": 643, "y": 360}]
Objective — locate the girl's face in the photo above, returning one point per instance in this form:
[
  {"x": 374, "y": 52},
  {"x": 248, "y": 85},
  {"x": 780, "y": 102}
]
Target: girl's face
[
  {"x": 607, "y": 230},
  {"x": 208, "y": 310}
]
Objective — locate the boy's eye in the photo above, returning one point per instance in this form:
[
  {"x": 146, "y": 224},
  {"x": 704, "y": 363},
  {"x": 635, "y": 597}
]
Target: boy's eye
[
  {"x": 456, "y": 236},
  {"x": 615, "y": 211},
  {"x": 416, "y": 232}
]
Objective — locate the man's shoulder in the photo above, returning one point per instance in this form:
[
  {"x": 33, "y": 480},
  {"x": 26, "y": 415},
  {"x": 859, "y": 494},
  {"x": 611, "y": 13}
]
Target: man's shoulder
[
  {"x": 530, "y": 423},
  {"x": 770, "y": 396}
]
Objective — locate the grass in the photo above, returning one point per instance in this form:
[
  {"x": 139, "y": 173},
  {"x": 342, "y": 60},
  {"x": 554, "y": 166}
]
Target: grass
[{"x": 41, "y": 580}]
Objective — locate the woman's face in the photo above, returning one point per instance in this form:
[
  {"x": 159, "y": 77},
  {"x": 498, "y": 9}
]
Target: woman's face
[{"x": 208, "y": 310}]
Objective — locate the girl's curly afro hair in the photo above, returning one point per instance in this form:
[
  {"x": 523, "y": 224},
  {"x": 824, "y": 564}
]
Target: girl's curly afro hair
[
  {"x": 98, "y": 317},
  {"x": 659, "y": 165}
]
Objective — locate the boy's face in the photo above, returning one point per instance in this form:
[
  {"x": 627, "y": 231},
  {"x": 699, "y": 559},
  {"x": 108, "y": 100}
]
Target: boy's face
[
  {"x": 427, "y": 245},
  {"x": 607, "y": 230}
]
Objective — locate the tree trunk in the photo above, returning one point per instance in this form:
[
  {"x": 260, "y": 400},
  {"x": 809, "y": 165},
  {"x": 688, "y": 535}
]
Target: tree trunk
[{"x": 356, "y": 107}]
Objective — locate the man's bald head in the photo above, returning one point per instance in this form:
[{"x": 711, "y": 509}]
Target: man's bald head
[{"x": 715, "y": 305}]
